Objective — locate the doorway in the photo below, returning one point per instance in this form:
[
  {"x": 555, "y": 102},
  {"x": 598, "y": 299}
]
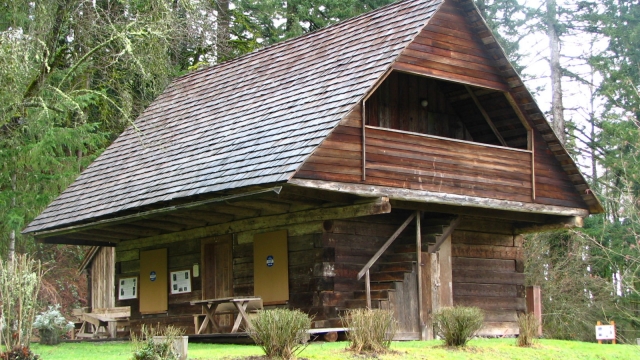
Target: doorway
[{"x": 217, "y": 274}]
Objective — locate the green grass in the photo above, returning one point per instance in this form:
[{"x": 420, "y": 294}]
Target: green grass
[{"x": 484, "y": 349}]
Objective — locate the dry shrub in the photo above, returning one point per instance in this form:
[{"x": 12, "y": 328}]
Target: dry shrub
[
  {"x": 370, "y": 330},
  {"x": 528, "y": 325},
  {"x": 457, "y": 325},
  {"x": 281, "y": 333},
  {"x": 19, "y": 284},
  {"x": 145, "y": 347}
]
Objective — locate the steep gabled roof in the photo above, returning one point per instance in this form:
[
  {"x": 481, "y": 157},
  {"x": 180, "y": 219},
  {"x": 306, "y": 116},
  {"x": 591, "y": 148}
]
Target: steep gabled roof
[
  {"x": 249, "y": 121},
  {"x": 256, "y": 119}
]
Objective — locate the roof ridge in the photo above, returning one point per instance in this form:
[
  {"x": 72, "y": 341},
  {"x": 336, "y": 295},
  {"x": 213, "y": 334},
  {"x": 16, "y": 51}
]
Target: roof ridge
[{"x": 292, "y": 39}]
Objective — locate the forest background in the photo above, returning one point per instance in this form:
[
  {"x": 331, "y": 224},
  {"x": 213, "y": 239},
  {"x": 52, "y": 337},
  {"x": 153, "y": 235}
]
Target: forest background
[{"x": 75, "y": 73}]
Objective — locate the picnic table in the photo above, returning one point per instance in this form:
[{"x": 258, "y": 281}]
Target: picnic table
[
  {"x": 108, "y": 319},
  {"x": 239, "y": 305}
]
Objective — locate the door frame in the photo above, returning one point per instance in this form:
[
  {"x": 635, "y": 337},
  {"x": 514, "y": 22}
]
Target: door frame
[{"x": 203, "y": 272}]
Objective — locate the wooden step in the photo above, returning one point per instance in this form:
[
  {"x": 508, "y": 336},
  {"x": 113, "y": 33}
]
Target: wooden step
[
  {"x": 388, "y": 276},
  {"x": 362, "y": 304},
  {"x": 396, "y": 266},
  {"x": 385, "y": 285},
  {"x": 398, "y": 257},
  {"x": 375, "y": 294}
]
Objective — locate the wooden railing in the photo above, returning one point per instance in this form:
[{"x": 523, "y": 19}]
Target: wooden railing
[
  {"x": 365, "y": 270},
  {"x": 417, "y": 161}
]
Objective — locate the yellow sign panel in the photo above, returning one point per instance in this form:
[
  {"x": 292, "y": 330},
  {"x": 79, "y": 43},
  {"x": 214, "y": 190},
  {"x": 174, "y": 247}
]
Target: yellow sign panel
[
  {"x": 154, "y": 295},
  {"x": 271, "y": 267}
]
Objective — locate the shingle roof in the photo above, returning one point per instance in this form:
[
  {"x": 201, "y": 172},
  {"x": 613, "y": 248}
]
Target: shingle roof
[{"x": 249, "y": 121}]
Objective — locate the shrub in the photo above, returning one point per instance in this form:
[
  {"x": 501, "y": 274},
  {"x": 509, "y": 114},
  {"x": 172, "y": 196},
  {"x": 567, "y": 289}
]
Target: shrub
[
  {"x": 145, "y": 347},
  {"x": 280, "y": 333},
  {"x": 19, "y": 353},
  {"x": 20, "y": 281},
  {"x": 370, "y": 330},
  {"x": 528, "y": 325},
  {"x": 51, "y": 324},
  {"x": 456, "y": 325}
]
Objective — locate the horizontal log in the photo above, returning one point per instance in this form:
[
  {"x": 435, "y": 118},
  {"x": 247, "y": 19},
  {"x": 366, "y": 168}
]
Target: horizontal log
[
  {"x": 480, "y": 238},
  {"x": 557, "y": 224},
  {"x": 486, "y": 277},
  {"x": 423, "y": 196},
  {"x": 379, "y": 205},
  {"x": 486, "y": 251},
  {"x": 469, "y": 263},
  {"x": 491, "y": 302}
]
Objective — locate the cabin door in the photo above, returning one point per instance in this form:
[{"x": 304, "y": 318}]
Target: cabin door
[{"x": 217, "y": 261}]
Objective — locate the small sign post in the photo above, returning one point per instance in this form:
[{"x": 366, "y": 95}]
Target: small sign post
[{"x": 606, "y": 332}]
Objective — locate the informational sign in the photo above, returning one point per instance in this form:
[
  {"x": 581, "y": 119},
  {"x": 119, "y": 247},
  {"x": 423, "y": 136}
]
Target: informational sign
[
  {"x": 180, "y": 282},
  {"x": 152, "y": 276},
  {"x": 605, "y": 332},
  {"x": 128, "y": 288},
  {"x": 270, "y": 261}
]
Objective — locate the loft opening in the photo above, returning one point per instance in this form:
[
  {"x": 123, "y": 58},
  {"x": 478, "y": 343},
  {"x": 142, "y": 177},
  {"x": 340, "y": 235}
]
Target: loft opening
[{"x": 436, "y": 107}]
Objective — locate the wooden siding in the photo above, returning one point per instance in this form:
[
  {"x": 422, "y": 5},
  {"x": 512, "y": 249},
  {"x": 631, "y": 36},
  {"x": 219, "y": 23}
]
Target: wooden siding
[
  {"x": 428, "y": 163},
  {"x": 488, "y": 273},
  {"x": 102, "y": 281},
  {"x": 553, "y": 184},
  {"x": 447, "y": 48}
]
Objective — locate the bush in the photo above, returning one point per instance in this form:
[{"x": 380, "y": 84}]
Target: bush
[
  {"x": 145, "y": 347},
  {"x": 370, "y": 330},
  {"x": 456, "y": 325},
  {"x": 528, "y": 325},
  {"x": 281, "y": 333},
  {"x": 19, "y": 353},
  {"x": 20, "y": 281},
  {"x": 51, "y": 324}
]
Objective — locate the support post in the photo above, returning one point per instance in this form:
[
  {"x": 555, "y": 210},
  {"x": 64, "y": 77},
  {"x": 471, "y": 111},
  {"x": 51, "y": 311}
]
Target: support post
[
  {"x": 367, "y": 285},
  {"x": 419, "y": 273},
  {"x": 534, "y": 304}
]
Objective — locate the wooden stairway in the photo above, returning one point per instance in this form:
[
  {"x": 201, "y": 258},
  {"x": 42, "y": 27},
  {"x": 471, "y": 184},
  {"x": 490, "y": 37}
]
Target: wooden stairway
[{"x": 394, "y": 283}]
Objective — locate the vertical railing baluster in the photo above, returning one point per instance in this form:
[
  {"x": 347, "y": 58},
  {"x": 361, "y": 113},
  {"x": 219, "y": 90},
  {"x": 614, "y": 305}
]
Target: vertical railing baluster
[{"x": 368, "y": 289}]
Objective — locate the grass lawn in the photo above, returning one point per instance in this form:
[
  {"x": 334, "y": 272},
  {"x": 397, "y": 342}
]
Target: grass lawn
[{"x": 487, "y": 349}]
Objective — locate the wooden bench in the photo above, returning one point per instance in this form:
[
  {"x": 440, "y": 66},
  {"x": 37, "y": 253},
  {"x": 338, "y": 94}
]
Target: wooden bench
[
  {"x": 103, "y": 322},
  {"x": 225, "y": 306}
]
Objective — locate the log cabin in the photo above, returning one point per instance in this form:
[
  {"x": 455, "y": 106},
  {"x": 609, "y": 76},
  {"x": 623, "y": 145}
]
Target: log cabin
[{"x": 393, "y": 160}]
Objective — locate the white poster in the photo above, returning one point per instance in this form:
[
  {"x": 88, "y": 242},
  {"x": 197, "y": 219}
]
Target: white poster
[
  {"x": 605, "y": 332},
  {"x": 128, "y": 288},
  {"x": 180, "y": 282}
]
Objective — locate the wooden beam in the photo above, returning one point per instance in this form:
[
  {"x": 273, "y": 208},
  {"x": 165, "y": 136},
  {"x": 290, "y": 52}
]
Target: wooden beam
[
  {"x": 419, "y": 273},
  {"x": 386, "y": 245},
  {"x": 443, "y": 237},
  {"x": 375, "y": 206},
  {"x": 467, "y": 211},
  {"x": 486, "y": 116},
  {"x": 516, "y": 108},
  {"x": 152, "y": 213},
  {"x": 64, "y": 240},
  {"x": 424, "y": 196},
  {"x": 558, "y": 224}
]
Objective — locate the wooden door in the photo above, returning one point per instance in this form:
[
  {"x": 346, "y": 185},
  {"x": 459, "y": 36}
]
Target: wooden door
[{"x": 217, "y": 276}]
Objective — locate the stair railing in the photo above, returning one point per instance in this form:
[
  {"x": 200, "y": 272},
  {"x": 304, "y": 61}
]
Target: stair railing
[{"x": 365, "y": 270}]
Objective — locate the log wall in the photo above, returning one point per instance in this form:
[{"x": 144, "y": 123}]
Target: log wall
[
  {"x": 305, "y": 273},
  {"x": 488, "y": 272}
]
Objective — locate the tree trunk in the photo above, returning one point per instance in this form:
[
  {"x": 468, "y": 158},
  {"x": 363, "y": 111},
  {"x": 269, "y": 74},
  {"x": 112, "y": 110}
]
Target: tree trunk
[
  {"x": 12, "y": 235},
  {"x": 557, "y": 109},
  {"x": 222, "y": 31}
]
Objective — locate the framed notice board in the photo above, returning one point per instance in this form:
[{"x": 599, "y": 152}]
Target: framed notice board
[
  {"x": 128, "y": 288},
  {"x": 180, "y": 281}
]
